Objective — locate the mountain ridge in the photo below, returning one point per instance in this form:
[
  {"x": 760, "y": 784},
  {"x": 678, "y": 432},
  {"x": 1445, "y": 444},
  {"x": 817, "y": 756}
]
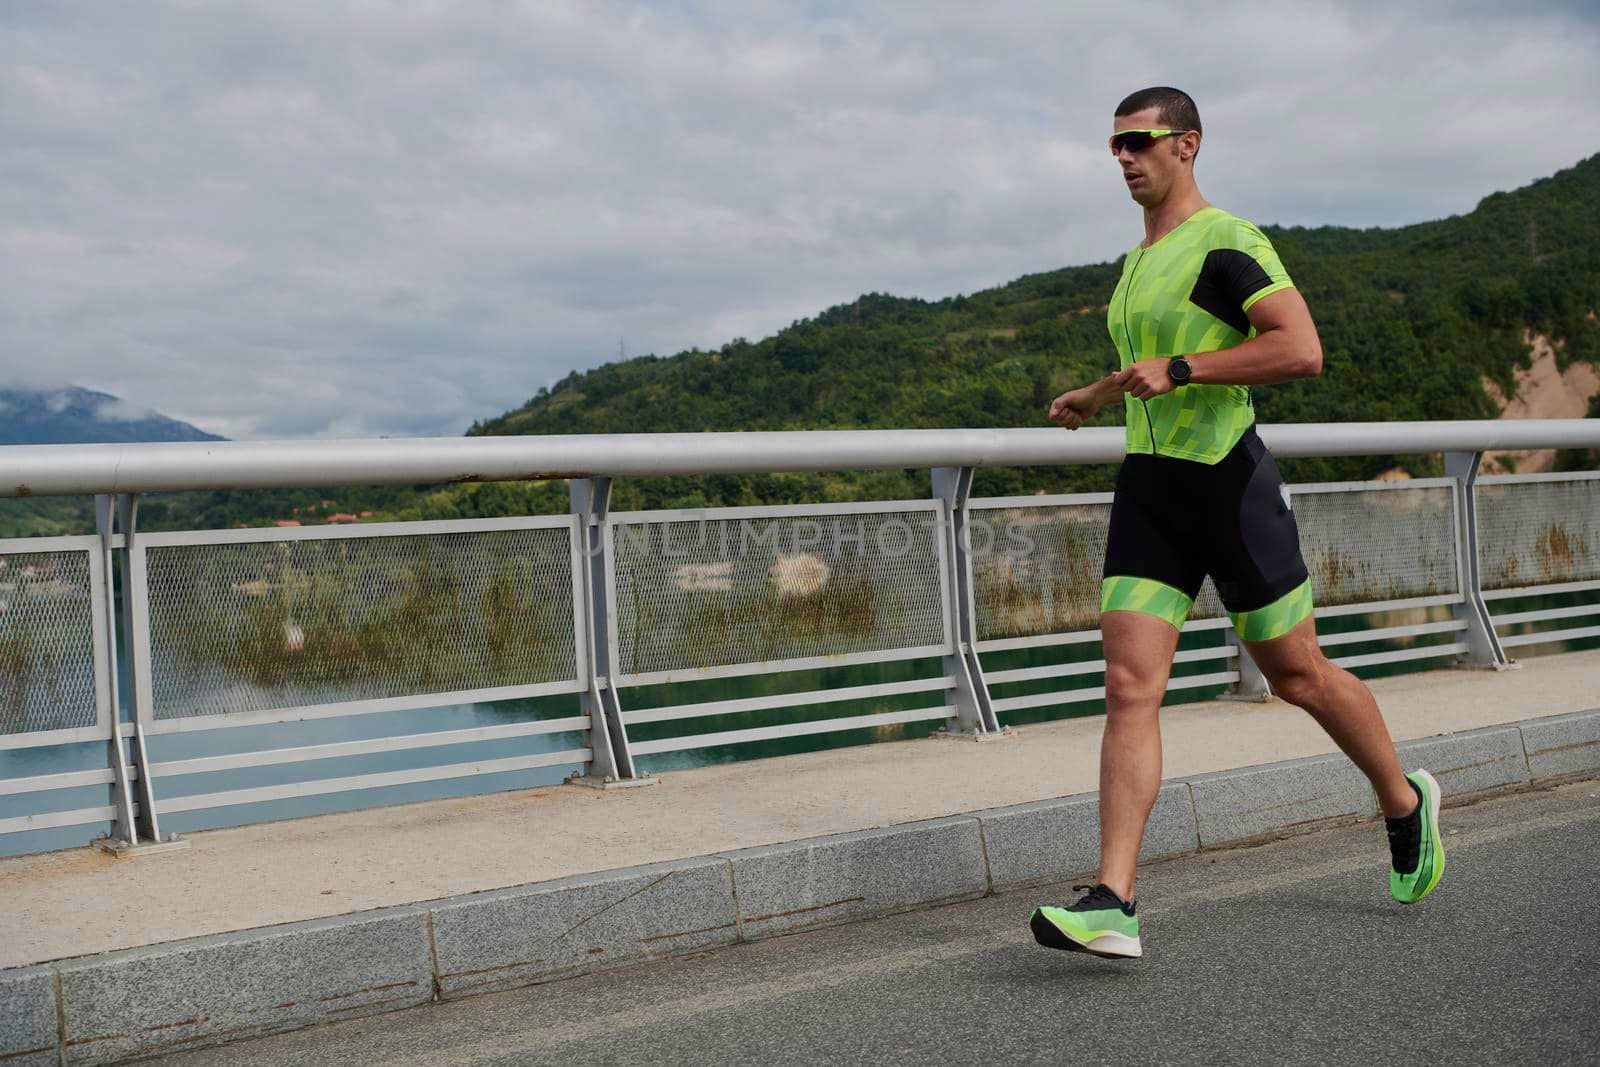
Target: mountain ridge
[{"x": 75, "y": 415}]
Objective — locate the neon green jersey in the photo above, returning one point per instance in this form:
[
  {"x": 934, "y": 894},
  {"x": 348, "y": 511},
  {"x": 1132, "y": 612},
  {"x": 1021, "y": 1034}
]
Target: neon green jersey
[{"x": 1189, "y": 292}]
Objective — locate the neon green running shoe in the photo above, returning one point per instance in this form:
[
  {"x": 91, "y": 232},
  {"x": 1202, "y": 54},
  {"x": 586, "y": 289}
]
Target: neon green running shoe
[
  {"x": 1415, "y": 845},
  {"x": 1100, "y": 923}
]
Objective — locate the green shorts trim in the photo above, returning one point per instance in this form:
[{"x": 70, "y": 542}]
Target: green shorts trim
[
  {"x": 1146, "y": 596},
  {"x": 1277, "y": 618}
]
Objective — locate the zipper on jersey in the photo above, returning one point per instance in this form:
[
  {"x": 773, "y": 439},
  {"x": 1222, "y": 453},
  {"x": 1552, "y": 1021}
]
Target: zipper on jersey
[{"x": 1127, "y": 294}]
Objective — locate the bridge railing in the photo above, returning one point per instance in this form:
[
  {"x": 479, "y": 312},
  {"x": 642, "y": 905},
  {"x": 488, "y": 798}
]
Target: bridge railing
[{"x": 953, "y": 611}]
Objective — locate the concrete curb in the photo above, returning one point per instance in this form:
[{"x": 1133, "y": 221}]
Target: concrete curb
[
  {"x": 28, "y": 1032},
  {"x": 226, "y": 987},
  {"x": 1473, "y": 761},
  {"x": 210, "y": 990},
  {"x": 1278, "y": 798},
  {"x": 534, "y": 933},
  {"x": 778, "y": 889}
]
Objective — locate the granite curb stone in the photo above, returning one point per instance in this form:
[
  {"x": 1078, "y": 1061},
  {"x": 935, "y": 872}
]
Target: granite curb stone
[
  {"x": 28, "y": 1017},
  {"x": 225, "y": 987},
  {"x": 1173, "y": 829},
  {"x": 1469, "y": 762},
  {"x": 831, "y": 879},
  {"x": 1562, "y": 745},
  {"x": 1029, "y": 844},
  {"x": 1278, "y": 798},
  {"x": 514, "y": 937},
  {"x": 1048, "y": 840}
]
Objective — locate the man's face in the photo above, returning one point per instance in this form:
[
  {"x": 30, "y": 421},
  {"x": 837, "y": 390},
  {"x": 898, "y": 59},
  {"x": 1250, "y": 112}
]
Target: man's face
[{"x": 1149, "y": 174}]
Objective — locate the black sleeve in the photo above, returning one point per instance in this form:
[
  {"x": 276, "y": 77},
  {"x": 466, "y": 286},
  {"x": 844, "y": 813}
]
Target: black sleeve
[{"x": 1228, "y": 278}]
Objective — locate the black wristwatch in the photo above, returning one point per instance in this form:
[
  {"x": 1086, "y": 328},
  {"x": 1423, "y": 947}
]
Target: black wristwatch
[{"x": 1178, "y": 370}]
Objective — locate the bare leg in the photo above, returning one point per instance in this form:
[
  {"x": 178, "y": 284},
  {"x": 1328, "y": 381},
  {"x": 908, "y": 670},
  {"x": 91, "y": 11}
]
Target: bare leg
[
  {"x": 1138, "y": 650},
  {"x": 1342, "y": 705}
]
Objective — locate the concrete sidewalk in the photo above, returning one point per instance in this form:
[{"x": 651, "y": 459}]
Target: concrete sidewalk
[{"x": 80, "y": 901}]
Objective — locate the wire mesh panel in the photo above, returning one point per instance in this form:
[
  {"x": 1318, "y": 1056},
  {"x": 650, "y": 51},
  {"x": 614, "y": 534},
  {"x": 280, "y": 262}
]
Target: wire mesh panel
[
  {"x": 1538, "y": 531},
  {"x": 241, "y": 624},
  {"x": 1036, "y": 568},
  {"x": 48, "y": 605},
  {"x": 1364, "y": 543},
  {"x": 739, "y": 590}
]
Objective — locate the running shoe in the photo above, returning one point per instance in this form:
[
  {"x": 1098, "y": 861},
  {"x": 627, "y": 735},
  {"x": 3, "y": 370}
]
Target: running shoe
[
  {"x": 1414, "y": 844},
  {"x": 1100, "y": 923}
]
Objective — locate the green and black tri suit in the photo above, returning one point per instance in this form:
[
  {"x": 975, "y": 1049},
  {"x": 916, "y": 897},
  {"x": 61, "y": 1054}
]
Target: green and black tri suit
[{"x": 1199, "y": 493}]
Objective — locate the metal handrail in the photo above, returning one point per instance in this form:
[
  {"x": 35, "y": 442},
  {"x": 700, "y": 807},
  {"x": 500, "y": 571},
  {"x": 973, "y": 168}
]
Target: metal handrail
[{"x": 63, "y": 470}]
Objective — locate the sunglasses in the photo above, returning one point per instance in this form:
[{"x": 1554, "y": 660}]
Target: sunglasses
[{"x": 1138, "y": 140}]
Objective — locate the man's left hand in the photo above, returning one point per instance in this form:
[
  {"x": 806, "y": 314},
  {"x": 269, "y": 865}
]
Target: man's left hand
[{"x": 1146, "y": 378}]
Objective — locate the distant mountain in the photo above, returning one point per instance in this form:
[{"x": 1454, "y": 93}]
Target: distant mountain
[{"x": 83, "y": 416}]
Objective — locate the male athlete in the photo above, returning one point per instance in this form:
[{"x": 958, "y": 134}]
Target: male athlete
[{"x": 1203, "y": 311}]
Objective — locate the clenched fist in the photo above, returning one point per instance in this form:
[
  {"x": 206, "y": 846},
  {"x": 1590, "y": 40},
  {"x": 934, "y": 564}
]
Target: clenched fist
[{"x": 1072, "y": 409}]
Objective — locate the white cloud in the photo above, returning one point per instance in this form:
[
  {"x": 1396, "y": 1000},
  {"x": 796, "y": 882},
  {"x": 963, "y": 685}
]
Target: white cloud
[{"x": 303, "y": 218}]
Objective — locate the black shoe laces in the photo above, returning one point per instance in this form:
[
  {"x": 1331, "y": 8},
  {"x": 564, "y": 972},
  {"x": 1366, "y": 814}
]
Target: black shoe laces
[{"x": 1095, "y": 898}]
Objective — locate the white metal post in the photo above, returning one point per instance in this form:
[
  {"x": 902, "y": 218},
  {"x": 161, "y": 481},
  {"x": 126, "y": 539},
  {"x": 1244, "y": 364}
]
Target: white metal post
[
  {"x": 1484, "y": 648},
  {"x": 136, "y": 642},
  {"x": 975, "y": 715},
  {"x": 608, "y": 736},
  {"x": 124, "y": 827}
]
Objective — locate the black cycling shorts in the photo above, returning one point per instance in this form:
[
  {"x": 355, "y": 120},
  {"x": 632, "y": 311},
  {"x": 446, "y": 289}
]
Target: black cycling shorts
[{"x": 1174, "y": 521}]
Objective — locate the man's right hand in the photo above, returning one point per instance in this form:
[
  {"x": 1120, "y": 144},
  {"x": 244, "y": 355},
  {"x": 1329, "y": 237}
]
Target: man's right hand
[{"x": 1074, "y": 408}]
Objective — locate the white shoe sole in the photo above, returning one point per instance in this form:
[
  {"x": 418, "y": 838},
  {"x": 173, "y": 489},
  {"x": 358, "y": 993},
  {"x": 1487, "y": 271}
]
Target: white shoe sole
[{"x": 1114, "y": 946}]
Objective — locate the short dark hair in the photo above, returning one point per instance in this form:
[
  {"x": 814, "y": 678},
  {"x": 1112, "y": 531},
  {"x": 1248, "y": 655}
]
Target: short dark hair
[{"x": 1177, "y": 108}]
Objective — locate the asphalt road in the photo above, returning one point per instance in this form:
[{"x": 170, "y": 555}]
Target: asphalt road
[{"x": 1287, "y": 953}]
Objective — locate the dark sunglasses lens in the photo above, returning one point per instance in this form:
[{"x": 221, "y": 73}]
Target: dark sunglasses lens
[{"x": 1133, "y": 142}]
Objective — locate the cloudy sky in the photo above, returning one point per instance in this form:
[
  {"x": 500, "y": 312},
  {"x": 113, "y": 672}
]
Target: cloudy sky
[{"x": 284, "y": 219}]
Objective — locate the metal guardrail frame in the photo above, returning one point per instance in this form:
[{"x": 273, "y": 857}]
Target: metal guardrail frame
[
  {"x": 140, "y": 644},
  {"x": 132, "y": 774},
  {"x": 116, "y": 473},
  {"x": 958, "y": 715},
  {"x": 145, "y": 721},
  {"x": 98, "y": 556},
  {"x": 614, "y": 521},
  {"x": 123, "y": 811},
  {"x": 1575, "y": 611}
]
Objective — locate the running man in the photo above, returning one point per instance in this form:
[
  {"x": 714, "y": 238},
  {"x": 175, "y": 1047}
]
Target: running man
[{"x": 1203, "y": 311}]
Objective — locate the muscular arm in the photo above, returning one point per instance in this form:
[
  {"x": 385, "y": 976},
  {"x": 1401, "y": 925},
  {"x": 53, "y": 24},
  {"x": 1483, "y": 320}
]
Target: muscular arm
[{"x": 1285, "y": 348}]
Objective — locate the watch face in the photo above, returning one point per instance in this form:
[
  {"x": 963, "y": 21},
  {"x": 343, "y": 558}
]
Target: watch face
[{"x": 1178, "y": 370}]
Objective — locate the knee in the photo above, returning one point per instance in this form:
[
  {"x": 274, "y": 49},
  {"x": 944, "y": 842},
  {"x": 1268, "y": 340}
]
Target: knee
[
  {"x": 1130, "y": 691},
  {"x": 1302, "y": 684}
]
